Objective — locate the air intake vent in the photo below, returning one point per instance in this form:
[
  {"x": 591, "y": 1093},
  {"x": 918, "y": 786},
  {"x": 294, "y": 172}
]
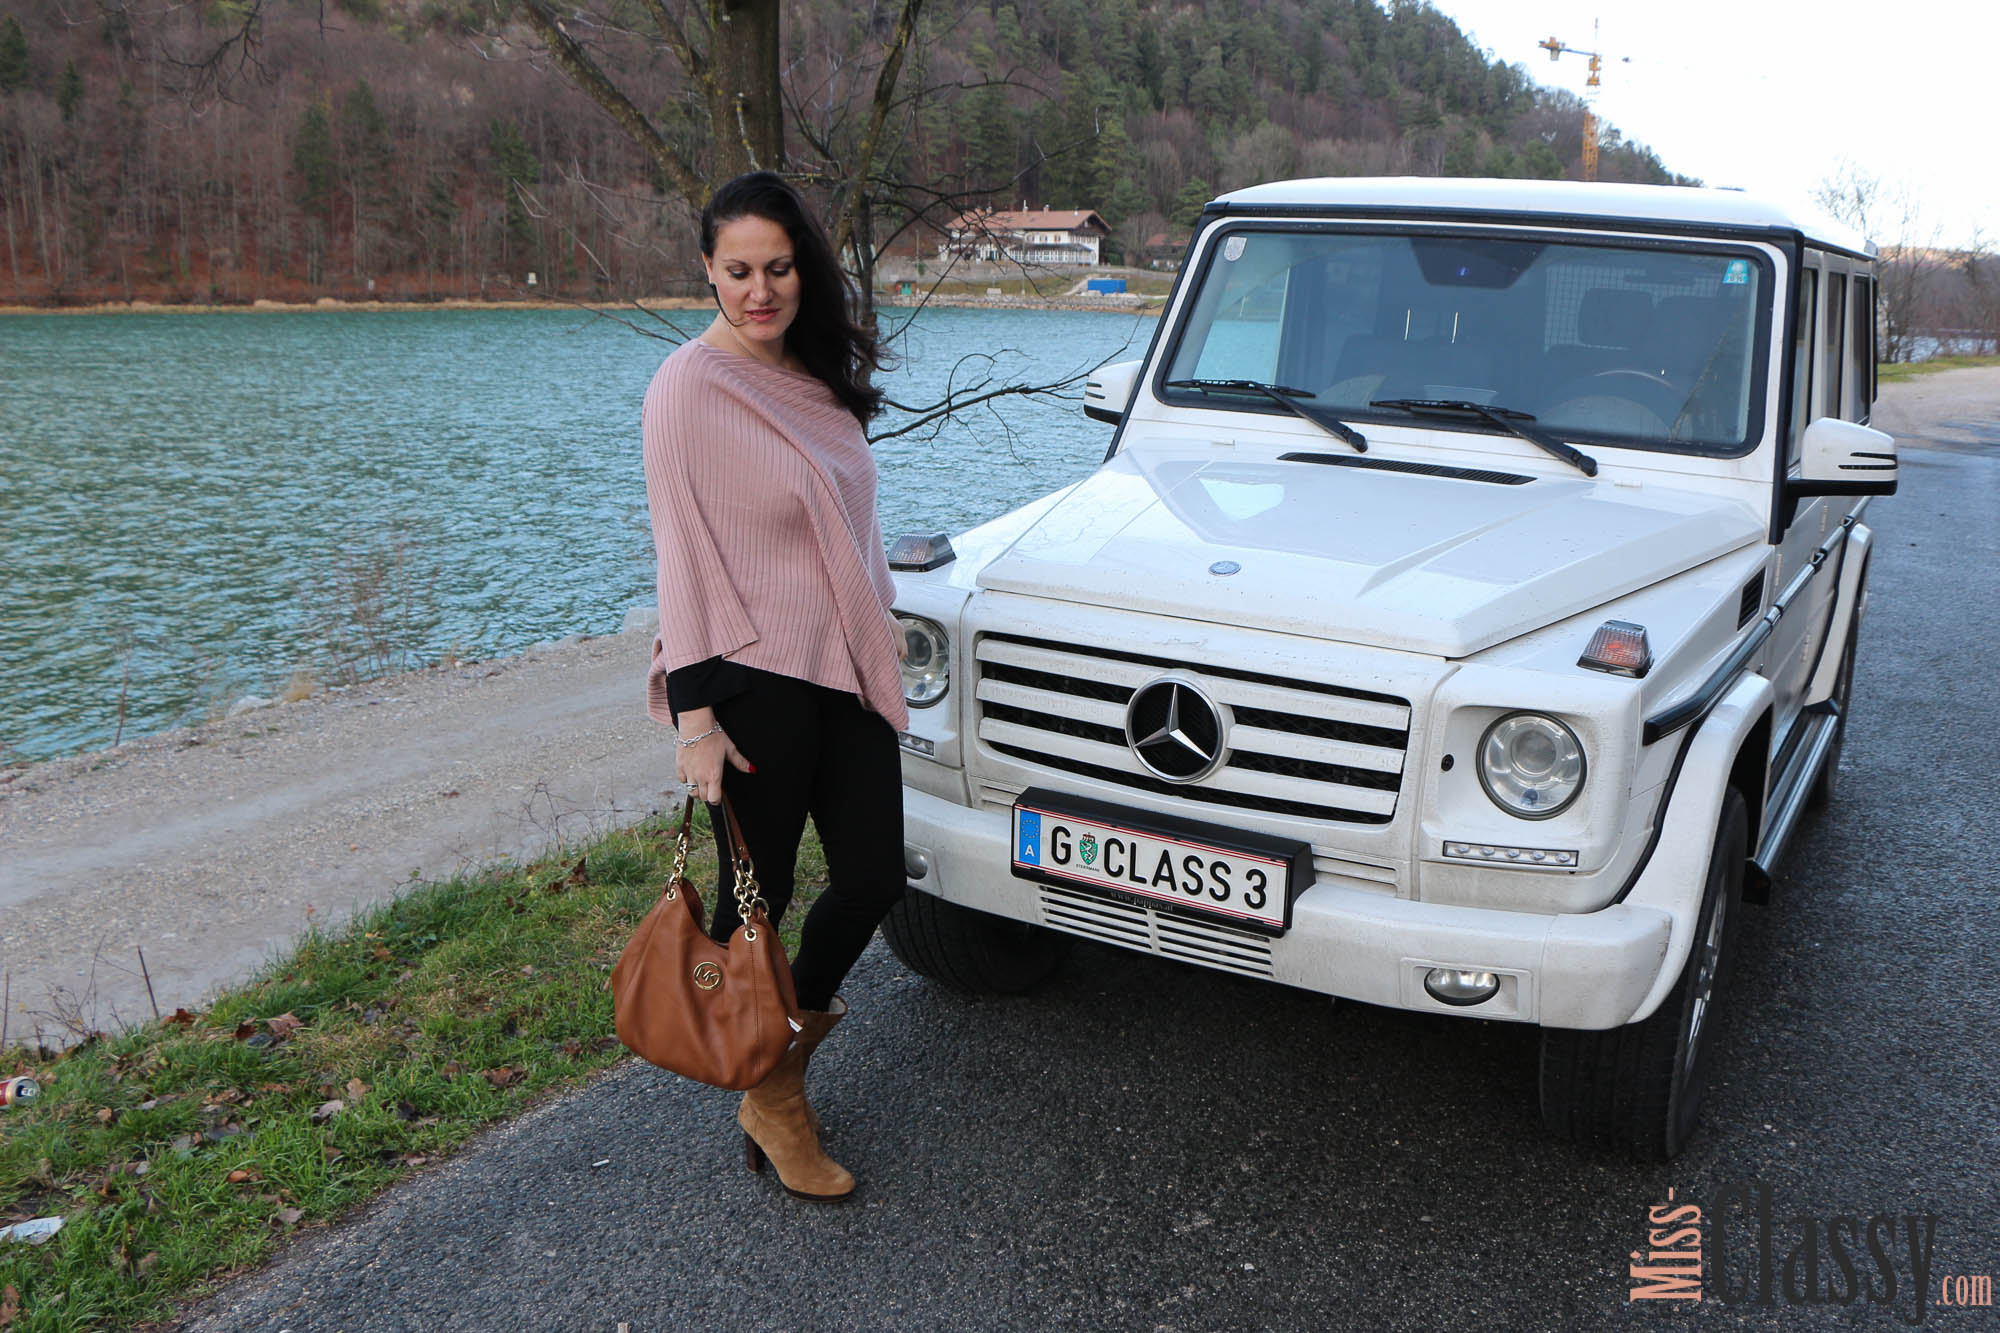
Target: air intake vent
[
  {"x": 1752, "y": 601},
  {"x": 1418, "y": 469},
  {"x": 1134, "y": 926}
]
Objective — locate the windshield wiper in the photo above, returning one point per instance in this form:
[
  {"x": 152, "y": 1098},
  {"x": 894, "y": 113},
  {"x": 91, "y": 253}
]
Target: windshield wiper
[
  {"x": 1284, "y": 396},
  {"x": 1506, "y": 418}
]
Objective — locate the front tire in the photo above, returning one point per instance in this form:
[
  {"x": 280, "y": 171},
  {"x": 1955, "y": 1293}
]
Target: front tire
[
  {"x": 969, "y": 951},
  {"x": 1638, "y": 1089}
]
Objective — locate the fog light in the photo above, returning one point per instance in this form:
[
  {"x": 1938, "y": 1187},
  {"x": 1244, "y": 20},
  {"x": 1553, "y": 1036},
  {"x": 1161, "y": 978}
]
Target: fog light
[
  {"x": 917, "y": 744},
  {"x": 1459, "y": 988},
  {"x": 916, "y": 864}
]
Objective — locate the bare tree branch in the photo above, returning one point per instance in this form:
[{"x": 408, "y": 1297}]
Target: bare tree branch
[
  {"x": 855, "y": 197},
  {"x": 577, "y": 65}
]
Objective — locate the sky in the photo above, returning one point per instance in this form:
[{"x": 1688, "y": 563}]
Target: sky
[{"x": 1776, "y": 95}]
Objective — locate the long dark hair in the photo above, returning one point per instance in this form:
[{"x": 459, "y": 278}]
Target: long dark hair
[{"x": 823, "y": 335}]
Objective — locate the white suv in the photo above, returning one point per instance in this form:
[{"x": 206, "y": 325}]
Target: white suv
[{"x": 1461, "y": 620}]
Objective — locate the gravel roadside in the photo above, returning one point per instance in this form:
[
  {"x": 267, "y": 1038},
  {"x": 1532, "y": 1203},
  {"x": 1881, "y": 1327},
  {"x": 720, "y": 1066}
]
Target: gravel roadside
[{"x": 212, "y": 846}]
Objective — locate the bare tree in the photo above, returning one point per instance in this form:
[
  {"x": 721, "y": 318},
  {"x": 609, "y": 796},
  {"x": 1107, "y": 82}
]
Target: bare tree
[{"x": 1892, "y": 216}]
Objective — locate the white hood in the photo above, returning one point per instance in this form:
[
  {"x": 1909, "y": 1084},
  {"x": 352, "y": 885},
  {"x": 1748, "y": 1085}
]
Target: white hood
[{"x": 1425, "y": 564}]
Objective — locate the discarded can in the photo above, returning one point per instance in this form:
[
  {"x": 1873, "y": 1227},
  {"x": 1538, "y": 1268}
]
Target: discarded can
[{"x": 17, "y": 1090}]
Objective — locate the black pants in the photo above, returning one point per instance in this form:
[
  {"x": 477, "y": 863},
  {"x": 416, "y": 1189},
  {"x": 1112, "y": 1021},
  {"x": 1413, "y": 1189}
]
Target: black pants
[{"x": 818, "y": 752}]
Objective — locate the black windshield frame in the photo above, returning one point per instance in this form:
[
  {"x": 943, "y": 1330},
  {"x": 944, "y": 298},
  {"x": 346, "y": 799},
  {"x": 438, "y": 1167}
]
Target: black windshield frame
[{"x": 1693, "y": 243}]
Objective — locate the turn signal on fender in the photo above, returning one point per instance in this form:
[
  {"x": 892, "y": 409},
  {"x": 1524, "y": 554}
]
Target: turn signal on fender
[{"x": 1620, "y": 648}]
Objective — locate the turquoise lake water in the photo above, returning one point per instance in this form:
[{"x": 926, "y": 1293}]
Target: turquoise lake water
[{"x": 182, "y": 496}]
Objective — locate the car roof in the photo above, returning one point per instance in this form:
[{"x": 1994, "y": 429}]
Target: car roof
[{"x": 1680, "y": 205}]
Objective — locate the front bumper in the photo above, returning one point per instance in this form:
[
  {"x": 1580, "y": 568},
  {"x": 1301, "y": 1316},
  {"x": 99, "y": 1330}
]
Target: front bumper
[{"x": 1348, "y": 938}]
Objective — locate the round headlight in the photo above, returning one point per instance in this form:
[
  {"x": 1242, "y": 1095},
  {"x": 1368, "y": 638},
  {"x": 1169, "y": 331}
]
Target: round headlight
[
  {"x": 1532, "y": 766},
  {"x": 927, "y": 664}
]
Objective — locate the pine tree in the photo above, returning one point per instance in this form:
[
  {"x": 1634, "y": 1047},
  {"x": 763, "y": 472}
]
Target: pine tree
[
  {"x": 312, "y": 158},
  {"x": 69, "y": 92},
  {"x": 14, "y": 67},
  {"x": 519, "y": 168},
  {"x": 1190, "y": 201}
]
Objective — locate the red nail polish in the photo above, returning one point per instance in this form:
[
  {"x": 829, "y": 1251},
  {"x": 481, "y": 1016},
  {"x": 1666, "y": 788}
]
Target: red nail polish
[{"x": 751, "y": 769}]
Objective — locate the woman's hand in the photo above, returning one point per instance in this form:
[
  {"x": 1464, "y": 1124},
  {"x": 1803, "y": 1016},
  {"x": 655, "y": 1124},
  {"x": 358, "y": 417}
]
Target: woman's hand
[{"x": 700, "y": 765}]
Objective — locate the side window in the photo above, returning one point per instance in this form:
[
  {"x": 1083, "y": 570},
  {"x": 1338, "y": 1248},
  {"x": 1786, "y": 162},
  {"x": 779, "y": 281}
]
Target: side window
[
  {"x": 1802, "y": 359},
  {"x": 1834, "y": 329},
  {"x": 1861, "y": 351}
]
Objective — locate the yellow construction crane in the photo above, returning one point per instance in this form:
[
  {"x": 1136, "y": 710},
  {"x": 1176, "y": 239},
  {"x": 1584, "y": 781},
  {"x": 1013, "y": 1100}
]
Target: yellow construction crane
[{"x": 1556, "y": 49}]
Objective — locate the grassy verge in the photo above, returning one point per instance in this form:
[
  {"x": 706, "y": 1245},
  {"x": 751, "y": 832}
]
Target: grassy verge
[
  {"x": 184, "y": 1152},
  {"x": 1891, "y": 372}
]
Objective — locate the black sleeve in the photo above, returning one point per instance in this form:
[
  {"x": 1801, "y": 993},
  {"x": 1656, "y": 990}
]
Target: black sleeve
[{"x": 705, "y": 683}]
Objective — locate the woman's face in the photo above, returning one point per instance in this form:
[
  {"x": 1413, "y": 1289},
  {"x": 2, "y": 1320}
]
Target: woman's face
[{"x": 756, "y": 282}]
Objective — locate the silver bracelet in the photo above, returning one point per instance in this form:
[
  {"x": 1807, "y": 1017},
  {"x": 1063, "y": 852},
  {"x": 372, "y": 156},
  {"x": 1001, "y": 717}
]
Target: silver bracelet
[{"x": 715, "y": 730}]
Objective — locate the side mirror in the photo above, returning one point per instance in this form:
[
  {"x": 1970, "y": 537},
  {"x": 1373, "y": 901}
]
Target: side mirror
[
  {"x": 1841, "y": 458},
  {"x": 1108, "y": 391}
]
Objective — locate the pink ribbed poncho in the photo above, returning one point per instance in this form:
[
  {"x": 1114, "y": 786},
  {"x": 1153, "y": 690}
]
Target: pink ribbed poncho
[{"x": 762, "y": 491}]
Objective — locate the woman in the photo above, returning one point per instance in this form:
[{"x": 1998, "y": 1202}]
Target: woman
[{"x": 777, "y": 656}]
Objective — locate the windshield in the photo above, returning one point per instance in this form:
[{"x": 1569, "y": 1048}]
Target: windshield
[{"x": 1624, "y": 344}]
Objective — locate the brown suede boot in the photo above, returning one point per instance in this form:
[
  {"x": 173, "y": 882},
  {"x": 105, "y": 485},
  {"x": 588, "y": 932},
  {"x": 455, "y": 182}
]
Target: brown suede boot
[{"x": 779, "y": 1126}]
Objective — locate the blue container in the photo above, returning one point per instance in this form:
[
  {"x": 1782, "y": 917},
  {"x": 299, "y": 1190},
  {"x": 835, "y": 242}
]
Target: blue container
[{"x": 1105, "y": 285}]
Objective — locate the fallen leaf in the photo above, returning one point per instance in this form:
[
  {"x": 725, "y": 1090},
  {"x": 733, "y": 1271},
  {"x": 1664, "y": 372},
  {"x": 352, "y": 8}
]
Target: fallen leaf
[
  {"x": 180, "y": 1017},
  {"x": 107, "y": 1115},
  {"x": 528, "y": 971},
  {"x": 228, "y": 1129},
  {"x": 415, "y": 1159},
  {"x": 381, "y": 953},
  {"x": 151, "y": 1261},
  {"x": 331, "y": 1153},
  {"x": 408, "y": 973},
  {"x": 241, "y": 1174},
  {"x": 519, "y": 908},
  {"x": 10, "y": 1306},
  {"x": 246, "y": 1029},
  {"x": 326, "y": 1111},
  {"x": 227, "y": 1097},
  {"x": 579, "y": 875},
  {"x": 452, "y": 1069},
  {"x": 288, "y": 1216},
  {"x": 283, "y": 1025},
  {"x": 504, "y": 1077},
  {"x": 356, "y": 1089},
  {"x": 183, "y": 1143}
]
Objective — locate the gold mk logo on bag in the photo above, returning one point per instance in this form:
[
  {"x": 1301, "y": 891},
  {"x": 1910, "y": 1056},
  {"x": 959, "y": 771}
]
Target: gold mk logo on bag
[{"x": 707, "y": 976}]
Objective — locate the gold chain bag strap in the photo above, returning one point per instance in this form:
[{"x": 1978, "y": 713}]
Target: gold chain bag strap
[{"x": 721, "y": 1015}]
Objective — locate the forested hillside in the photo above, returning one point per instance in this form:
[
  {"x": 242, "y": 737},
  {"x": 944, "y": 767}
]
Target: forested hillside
[{"x": 423, "y": 149}]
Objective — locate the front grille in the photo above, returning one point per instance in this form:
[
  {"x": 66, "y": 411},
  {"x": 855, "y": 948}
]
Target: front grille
[
  {"x": 1296, "y": 748},
  {"x": 1136, "y": 926}
]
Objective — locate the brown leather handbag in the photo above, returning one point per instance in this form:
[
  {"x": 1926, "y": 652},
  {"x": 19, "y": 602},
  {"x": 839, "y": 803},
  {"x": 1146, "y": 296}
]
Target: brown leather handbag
[{"x": 718, "y": 1015}]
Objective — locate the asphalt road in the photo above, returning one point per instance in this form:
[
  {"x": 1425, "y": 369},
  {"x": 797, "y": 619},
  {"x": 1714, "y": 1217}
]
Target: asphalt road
[{"x": 1145, "y": 1146}]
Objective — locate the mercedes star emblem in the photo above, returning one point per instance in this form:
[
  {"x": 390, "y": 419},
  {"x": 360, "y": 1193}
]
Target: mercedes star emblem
[{"x": 1175, "y": 730}]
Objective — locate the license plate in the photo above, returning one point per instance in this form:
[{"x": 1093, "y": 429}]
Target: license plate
[{"x": 1246, "y": 879}]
